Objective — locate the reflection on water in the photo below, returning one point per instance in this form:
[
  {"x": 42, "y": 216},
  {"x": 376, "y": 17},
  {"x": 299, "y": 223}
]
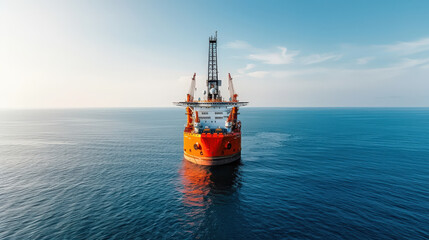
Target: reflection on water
[
  {"x": 211, "y": 199},
  {"x": 204, "y": 184}
]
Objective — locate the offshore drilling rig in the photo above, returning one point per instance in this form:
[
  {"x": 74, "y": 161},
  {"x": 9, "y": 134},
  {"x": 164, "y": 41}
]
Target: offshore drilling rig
[{"x": 212, "y": 134}]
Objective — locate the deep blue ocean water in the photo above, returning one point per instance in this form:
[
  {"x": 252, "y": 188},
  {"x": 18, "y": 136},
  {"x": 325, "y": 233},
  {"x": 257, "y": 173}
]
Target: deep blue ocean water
[{"x": 311, "y": 173}]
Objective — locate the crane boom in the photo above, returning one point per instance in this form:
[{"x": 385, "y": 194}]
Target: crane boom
[
  {"x": 191, "y": 90},
  {"x": 232, "y": 93}
]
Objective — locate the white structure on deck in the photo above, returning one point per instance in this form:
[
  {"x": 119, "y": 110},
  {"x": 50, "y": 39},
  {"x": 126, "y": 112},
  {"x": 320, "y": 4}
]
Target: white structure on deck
[{"x": 213, "y": 117}]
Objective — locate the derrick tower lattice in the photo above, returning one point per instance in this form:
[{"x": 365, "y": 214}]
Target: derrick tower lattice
[{"x": 213, "y": 81}]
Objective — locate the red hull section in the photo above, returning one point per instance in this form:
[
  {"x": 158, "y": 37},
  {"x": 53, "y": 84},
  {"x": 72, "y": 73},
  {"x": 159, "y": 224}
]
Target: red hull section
[{"x": 212, "y": 149}]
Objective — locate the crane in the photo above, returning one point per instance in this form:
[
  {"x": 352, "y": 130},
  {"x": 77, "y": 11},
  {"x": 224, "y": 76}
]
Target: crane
[
  {"x": 232, "y": 93},
  {"x": 190, "y": 96}
]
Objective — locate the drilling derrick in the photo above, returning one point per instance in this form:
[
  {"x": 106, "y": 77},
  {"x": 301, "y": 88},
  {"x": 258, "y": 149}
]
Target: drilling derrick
[{"x": 213, "y": 82}]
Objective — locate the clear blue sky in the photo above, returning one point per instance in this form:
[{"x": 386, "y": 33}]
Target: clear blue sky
[{"x": 280, "y": 53}]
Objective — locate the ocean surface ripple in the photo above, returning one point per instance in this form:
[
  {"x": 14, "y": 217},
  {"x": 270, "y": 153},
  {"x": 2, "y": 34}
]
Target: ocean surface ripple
[{"x": 311, "y": 173}]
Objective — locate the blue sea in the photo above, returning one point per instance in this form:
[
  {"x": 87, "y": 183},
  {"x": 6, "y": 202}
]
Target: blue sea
[{"x": 305, "y": 173}]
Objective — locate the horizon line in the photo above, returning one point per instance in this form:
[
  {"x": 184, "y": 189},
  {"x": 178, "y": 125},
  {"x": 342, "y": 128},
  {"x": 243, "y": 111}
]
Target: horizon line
[{"x": 175, "y": 107}]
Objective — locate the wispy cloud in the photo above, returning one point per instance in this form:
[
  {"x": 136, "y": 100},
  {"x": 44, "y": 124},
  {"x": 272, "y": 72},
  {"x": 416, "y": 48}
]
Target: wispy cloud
[
  {"x": 363, "y": 75},
  {"x": 258, "y": 74},
  {"x": 285, "y": 74},
  {"x": 425, "y": 66},
  {"x": 410, "y": 47},
  {"x": 318, "y": 58},
  {"x": 364, "y": 60},
  {"x": 281, "y": 57},
  {"x": 238, "y": 44},
  {"x": 404, "y": 66},
  {"x": 246, "y": 68},
  {"x": 409, "y": 63}
]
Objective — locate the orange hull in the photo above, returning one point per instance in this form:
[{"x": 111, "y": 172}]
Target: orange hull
[{"x": 212, "y": 149}]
